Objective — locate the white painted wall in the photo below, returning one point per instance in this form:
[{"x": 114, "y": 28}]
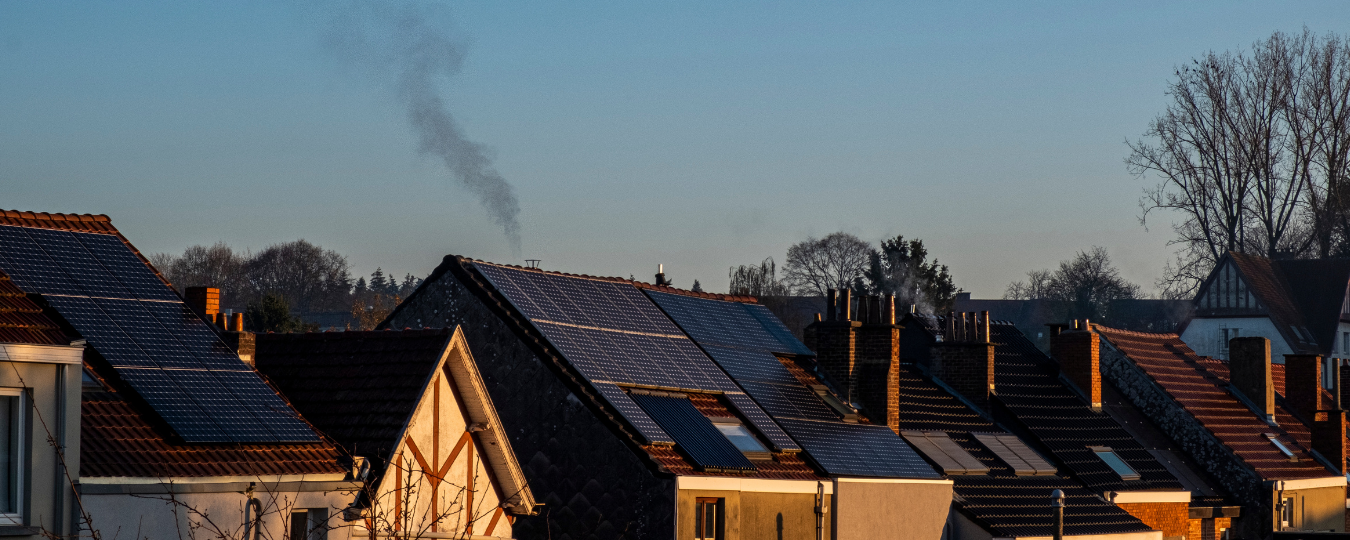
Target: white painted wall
[
  {"x": 1202, "y": 335},
  {"x": 199, "y": 515}
]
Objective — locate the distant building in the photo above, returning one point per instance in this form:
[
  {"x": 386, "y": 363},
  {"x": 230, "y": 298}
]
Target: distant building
[
  {"x": 1031, "y": 316},
  {"x": 644, "y": 411}
]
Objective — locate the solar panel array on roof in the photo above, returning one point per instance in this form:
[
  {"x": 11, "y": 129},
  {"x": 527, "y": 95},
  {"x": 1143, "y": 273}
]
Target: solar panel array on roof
[
  {"x": 693, "y": 432},
  {"x": 161, "y": 349},
  {"x": 613, "y": 334},
  {"x": 742, "y": 339}
]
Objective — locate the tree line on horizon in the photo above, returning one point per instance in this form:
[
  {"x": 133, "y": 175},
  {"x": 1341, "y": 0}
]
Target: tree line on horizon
[{"x": 278, "y": 285}]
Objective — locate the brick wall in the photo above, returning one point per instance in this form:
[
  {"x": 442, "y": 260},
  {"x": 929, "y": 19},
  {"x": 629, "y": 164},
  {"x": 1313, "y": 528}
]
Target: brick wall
[
  {"x": 1303, "y": 384},
  {"x": 836, "y": 344},
  {"x": 1173, "y": 519},
  {"x": 878, "y": 375},
  {"x": 1208, "y": 528},
  {"x": 1079, "y": 357}
]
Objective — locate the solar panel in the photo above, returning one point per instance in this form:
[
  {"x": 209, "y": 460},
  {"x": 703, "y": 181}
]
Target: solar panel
[
  {"x": 789, "y": 401},
  {"x": 750, "y": 365},
  {"x": 716, "y": 322},
  {"x": 857, "y": 449},
  {"x": 761, "y": 421},
  {"x": 694, "y": 433},
  {"x": 636, "y": 359},
  {"x": 635, "y": 415},
  {"x": 578, "y": 301},
  {"x": 778, "y": 330},
  {"x": 164, "y": 352}
]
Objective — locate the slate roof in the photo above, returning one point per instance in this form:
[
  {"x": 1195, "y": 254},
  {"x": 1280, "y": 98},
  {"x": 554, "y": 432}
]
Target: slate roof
[
  {"x": 1002, "y": 502},
  {"x": 358, "y": 388},
  {"x": 1198, "y": 384},
  {"x": 117, "y": 440},
  {"x": 22, "y": 320}
]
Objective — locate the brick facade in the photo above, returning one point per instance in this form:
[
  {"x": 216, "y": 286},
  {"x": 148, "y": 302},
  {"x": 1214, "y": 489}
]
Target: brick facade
[
  {"x": 1173, "y": 519},
  {"x": 1208, "y": 528},
  {"x": 878, "y": 362},
  {"x": 836, "y": 355},
  {"x": 1249, "y": 372}
]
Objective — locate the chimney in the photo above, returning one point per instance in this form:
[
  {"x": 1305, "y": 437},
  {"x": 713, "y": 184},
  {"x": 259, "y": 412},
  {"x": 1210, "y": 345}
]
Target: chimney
[
  {"x": 964, "y": 359},
  {"x": 1078, "y": 351},
  {"x": 205, "y": 301},
  {"x": 1328, "y": 437},
  {"x": 835, "y": 343},
  {"x": 877, "y": 344},
  {"x": 1249, "y": 373},
  {"x": 661, "y": 275},
  {"x": 1303, "y": 384}
]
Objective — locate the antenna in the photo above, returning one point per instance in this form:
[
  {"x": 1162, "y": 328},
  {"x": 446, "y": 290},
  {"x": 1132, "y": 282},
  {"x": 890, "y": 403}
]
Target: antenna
[{"x": 532, "y": 263}]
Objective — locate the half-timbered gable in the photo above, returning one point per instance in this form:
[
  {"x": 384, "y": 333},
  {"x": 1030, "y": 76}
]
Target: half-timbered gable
[{"x": 411, "y": 409}]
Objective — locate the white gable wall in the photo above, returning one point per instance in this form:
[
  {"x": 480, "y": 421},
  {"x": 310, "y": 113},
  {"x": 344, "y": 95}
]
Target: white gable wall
[
  {"x": 443, "y": 452},
  {"x": 1203, "y": 335}
]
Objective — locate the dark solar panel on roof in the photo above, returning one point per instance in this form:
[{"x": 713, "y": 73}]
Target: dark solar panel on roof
[
  {"x": 636, "y": 359},
  {"x": 635, "y": 415},
  {"x": 139, "y": 326},
  {"x": 761, "y": 421},
  {"x": 750, "y": 365},
  {"x": 694, "y": 433},
  {"x": 779, "y": 331},
  {"x": 858, "y": 449}
]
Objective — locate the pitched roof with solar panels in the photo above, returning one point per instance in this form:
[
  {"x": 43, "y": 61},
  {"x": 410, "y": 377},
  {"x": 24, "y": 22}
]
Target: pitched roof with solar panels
[
  {"x": 147, "y": 342},
  {"x": 651, "y": 351}
]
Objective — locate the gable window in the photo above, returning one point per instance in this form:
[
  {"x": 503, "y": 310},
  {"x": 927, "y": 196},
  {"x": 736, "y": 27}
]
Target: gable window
[
  {"x": 742, "y": 439},
  {"x": 12, "y": 445},
  {"x": 708, "y": 519},
  {"x": 309, "y": 524},
  {"x": 1109, "y": 457}
]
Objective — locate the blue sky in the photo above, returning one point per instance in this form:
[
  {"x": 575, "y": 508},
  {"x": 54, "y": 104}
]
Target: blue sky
[{"x": 696, "y": 134}]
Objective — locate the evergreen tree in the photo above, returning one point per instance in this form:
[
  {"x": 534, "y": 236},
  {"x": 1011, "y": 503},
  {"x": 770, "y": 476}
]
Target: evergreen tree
[
  {"x": 901, "y": 268},
  {"x": 697, "y": 287},
  {"x": 378, "y": 283}
]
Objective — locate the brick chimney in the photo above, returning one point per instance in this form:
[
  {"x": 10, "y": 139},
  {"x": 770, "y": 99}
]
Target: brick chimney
[
  {"x": 205, "y": 301},
  {"x": 835, "y": 343},
  {"x": 1328, "y": 437},
  {"x": 1077, "y": 348},
  {"x": 877, "y": 344},
  {"x": 1303, "y": 384},
  {"x": 964, "y": 359},
  {"x": 1249, "y": 373}
]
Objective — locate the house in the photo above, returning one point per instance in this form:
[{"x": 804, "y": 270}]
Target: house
[
  {"x": 176, "y": 431},
  {"x": 39, "y": 419},
  {"x": 411, "y": 408},
  {"x": 645, "y": 411},
  {"x": 983, "y": 405},
  {"x": 1280, "y": 455},
  {"x": 1301, "y": 306}
]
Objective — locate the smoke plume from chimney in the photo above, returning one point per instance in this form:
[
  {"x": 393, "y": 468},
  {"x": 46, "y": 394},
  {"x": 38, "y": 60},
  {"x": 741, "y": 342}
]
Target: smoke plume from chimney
[{"x": 411, "y": 43}]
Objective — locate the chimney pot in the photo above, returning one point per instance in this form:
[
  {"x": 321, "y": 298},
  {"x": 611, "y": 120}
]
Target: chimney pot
[
  {"x": 1249, "y": 373},
  {"x": 846, "y": 305},
  {"x": 831, "y": 305}
]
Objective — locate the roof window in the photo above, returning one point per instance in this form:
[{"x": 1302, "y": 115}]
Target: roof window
[
  {"x": 1274, "y": 439},
  {"x": 1020, "y": 458},
  {"x": 742, "y": 439},
  {"x": 1109, "y": 457},
  {"x": 943, "y": 451}
]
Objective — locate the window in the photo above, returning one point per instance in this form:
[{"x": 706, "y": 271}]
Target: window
[
  {"x": 945, "y": 453},
  {"x": 1109, "y": 457},
  {"x": 1287, "y": 513},
  {"x": 742, "y": 439},
  {"x": 708, "y": 520},
  {"x": 1225, "y": 335},
  {"x": 1020, "y": 458},
  {"x": 1329, "y": 373},
  {"x": 1345, "y": 342},
  {"x": 1283, "y": 449},
  {"x": 311, "y": 524},
  {"x": 12, "y": 445}
]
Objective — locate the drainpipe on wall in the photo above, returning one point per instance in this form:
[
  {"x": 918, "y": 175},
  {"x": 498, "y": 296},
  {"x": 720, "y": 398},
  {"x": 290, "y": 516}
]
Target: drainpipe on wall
[
  {"x": 1058, "y": 497},
  {"x": 820, "y": 510}
]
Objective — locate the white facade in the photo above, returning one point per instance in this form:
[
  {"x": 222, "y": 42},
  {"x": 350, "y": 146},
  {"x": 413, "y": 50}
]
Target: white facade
[
  {"x": 39, "y": 402},
  {"x": 1206, "y": 335}
]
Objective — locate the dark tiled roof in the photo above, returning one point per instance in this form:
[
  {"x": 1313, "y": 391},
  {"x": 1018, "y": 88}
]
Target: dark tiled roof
[
  {"x": 359, "y": 388},
  {"x": 22, "y": 320},
  {"x": 1001, "y": 501},
  {"x": 1318, "y": 288},
  {"x": 1027, "y": 383},
  {"x": 116, "y": 440},
  {"x": 1196, "y": 383},
  {"x": 1271, "y": 289}
]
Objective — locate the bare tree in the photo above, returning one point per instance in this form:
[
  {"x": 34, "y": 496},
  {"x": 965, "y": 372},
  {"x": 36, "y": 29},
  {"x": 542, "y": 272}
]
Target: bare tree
[
  {"x": 309, "y": 277},
  {"x": 757, "y": 280},
  {"x": 1086, "y": 284},
  {"x": 201, "y": 266},
  {"x": 833, "y": 262}
]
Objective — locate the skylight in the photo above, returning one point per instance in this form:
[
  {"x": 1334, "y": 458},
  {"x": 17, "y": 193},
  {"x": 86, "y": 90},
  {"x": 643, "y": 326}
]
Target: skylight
[
  {"x": 741, "y": 438},
  {"x": 1109, "y": 457},
  {"x": 1283, "y": 449}
]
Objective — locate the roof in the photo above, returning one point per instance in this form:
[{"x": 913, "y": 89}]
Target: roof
[
  {"x": 1002, "y": 502},
  {"x": 22, "y": 320},
  {"x": 608, "y": 339},
  {"x": 87, "y": 277},
  {"x": 1198, "y": 384},
  {"x": 1269, "y": 285},
  {"x": 117, "y": 440},
  {"x": 361, "y": 389},
  {"x": 1318, "y": 287}
]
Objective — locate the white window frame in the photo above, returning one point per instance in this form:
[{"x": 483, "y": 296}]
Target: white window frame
[{"x": 20, "y": 455}]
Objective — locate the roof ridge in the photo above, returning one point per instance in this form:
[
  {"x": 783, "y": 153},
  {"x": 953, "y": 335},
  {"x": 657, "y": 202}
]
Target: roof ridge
[{"x": 635, "y": 283}]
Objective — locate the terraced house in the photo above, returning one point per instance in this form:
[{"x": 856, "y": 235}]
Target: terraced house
[
  {"x": 1269, "y": 436},
  {"x": 645, "y": 411}
]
